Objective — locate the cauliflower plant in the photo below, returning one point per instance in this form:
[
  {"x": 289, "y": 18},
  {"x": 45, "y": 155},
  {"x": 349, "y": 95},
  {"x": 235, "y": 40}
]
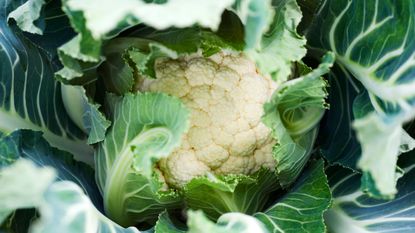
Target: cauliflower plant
[{"x": 225, "y": 95}]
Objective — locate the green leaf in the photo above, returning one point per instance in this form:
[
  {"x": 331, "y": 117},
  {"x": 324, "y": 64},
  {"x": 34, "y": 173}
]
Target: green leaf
[
  {"x": 62, "y": 205},
  {"x": 100, "y": 17},
  {"x": 27, "y": 14},
  {"x": 379, "y": 177},
  {"x": 355, "y": 211},
  {"x": 227, "y": 223},
  {"x": 85, "y": 113},
  {"x": 55, "y": 27},
  {"x": 128, "y": 59},
  {"x": 131, "y": 58},
  {"x": 190, "y": 40},
  {"x": 79, "y": 55},
  {"x": 19, "y": 226},
  {"x": 78, "y": 66},
  {"x": 293, "y": 114},
  {"x": 30, "y": 98},
  {"x": 18, "y": 189},
  {"x": 339, "y": 142},
  {"x": 302, "y": 208},
  {"x": 309, "y": 9},
  {"x": 95, "y": 123},
  {"x": 165, "y": 225},
  {"x": 232, "y": 30},
  {"x": 385, "y": 69},
  {"x": 32, "y": 146},
  {"x": 230, "y": 193},
  {"x": 256, "y": 15},
  {"x": 337, "y": 138},
  {"x": 146, "y": 127},
  {"x": 62, "y": 200},
  {"x": 97, "y": 24},
  {"x": 280, "y": 45}
]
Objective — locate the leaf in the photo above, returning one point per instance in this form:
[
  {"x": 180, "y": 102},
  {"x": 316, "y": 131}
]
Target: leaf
[
  {"x": 230, "y": 193},
  {"x": 128, "y": 59},
  {"x": 95, "y": 123},
  {"x": 379, "y": 177},
  {"x": 22, "y": 225},
  {"x": 63, "y": 199},
  {"x": 385, "y": 69},
  {"x": 302, "y": 208},
  {"x": 30, "y": 98},
  {"x": 32, "y": 146},
  {"x": 85, "y": 113},
  {"x": 131, "y": 58},
  {"x": 22, "y": 193},
  {"x": 82, "y": 53},
  {"x": 280, "y": 45},
  {"x": 198, "y": 223},
  {"x": 337, "y": 138},
  {"x": 27, "y": 14},
  {"x": 354, "y": 211},
  {"x": 339, "y": 142},
  {"x": 165, "y": 225},
  {"x": 100, "y": 17},
  {"x": 146, "y": 127},
  {"x": 55, "y": 27},
  {"x": 227, "y": 223},
  {"x": 309, "y": 9},
  {"x": 79, "y": 68},
  {"x": 293, "y": 113},
  {"x": 62, "y": 205},
  {"x": 256, "y": 15}
]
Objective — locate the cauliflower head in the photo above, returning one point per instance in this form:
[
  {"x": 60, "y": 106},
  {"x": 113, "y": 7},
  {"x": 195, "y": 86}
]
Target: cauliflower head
[{"x": 225, "y": 95}]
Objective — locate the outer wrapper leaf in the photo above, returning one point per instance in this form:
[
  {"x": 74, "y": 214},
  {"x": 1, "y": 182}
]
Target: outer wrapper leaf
[
  {"x": 65, "y": 197},
  {"x": 385, "y": 69},
  {"x": 97, "y": 24},
  {"x": 337, "y": 139},
  {"x": 354, "y": 211},
  {"x": 63, "y": 205},
  {"x": 227, "y": 223},
  {"x": 339, "y": 142},
  {"x": 22, "y": 193},
  {"x": 26, "y": 15},
  {"x": 198, "y": 223},
  {"x": 100, "y": 17},
  {"x": 30, "y": 98},
  {"x": 302, "y": 208},
  {"x": 378, "y": 174},
  {"x": 32, "y": 146}
]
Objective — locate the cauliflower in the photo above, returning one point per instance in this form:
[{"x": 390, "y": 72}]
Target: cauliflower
[{"x": 225, "y": 95}]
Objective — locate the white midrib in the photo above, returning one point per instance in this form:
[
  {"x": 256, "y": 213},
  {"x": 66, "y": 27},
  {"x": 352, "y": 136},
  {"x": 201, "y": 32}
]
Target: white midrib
[
  {"x": 116, "y": 178},
  {"x": 384, "y": 90},
  {"x": 79, "y": 148}
]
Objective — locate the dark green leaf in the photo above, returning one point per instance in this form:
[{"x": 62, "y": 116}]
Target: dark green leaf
[{"x": 302, "y": 208}]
